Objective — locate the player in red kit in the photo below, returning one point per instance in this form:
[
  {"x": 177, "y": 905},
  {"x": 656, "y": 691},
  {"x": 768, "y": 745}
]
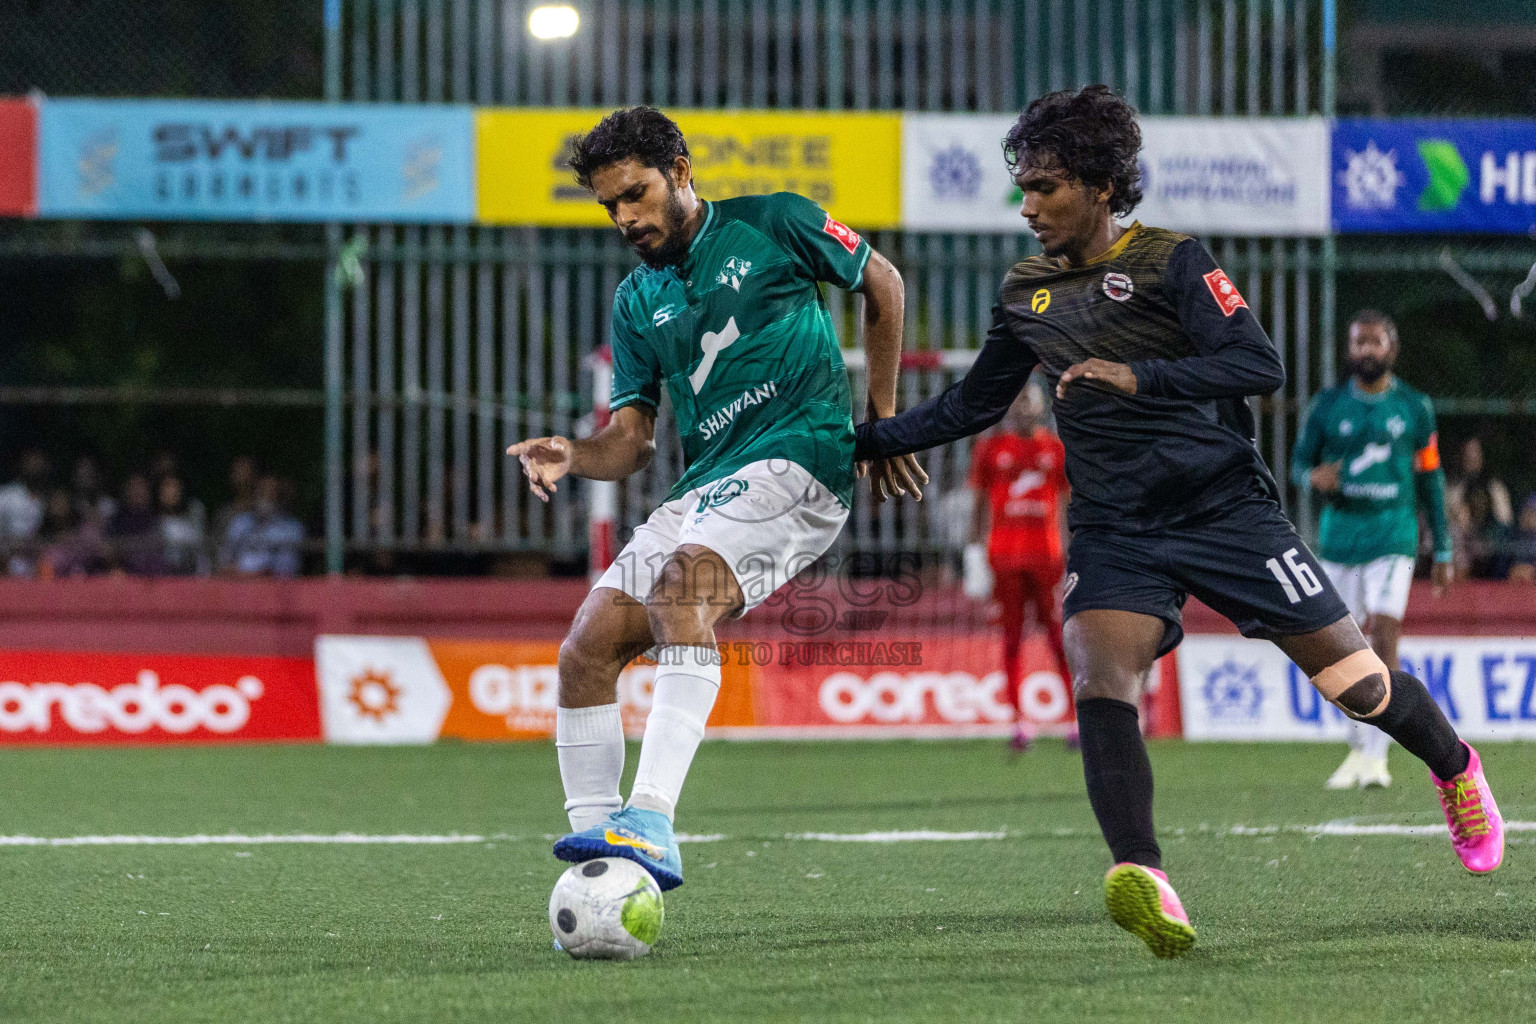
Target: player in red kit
[{"x": 1015, "y": 553}]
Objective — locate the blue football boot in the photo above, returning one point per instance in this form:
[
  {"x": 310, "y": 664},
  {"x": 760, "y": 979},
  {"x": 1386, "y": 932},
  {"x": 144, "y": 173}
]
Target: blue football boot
[{"x": 644, "y": 837}]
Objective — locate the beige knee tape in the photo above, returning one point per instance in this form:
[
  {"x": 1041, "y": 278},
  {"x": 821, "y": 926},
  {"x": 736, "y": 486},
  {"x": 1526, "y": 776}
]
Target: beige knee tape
[{"x": 1339, "y": 678}]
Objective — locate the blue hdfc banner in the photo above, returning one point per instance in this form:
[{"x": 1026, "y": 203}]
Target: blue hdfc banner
[
  {"x": 210, "y": 160},
  {"x": 1472, "y": 177},
  {"x": 1236, "y": 689}
]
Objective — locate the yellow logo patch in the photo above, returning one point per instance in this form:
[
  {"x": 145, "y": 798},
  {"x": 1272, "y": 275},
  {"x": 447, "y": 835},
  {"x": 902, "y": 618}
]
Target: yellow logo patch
[
  {"x": 651, "y": 850},
  {"x": 1042, "y": 300}
]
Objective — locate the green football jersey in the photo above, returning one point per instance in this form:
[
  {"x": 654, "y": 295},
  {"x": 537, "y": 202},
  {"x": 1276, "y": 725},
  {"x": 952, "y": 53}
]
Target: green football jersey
[
  {"x": 740, "y": 336},
  {"x": 1388, "y": 456}
]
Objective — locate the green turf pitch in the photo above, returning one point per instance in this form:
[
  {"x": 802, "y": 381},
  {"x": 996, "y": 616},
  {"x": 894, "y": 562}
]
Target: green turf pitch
[{"x": 1293, "y": 927}]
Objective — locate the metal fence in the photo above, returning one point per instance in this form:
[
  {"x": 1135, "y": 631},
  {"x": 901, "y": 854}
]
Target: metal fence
[{"x": 455, "y": 341}]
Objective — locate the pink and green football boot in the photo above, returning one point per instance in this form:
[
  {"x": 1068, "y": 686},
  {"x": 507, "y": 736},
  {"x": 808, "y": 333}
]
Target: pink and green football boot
[
  {"x": 1141, "y": 901},
  {"x": 1477, "y": 828}
]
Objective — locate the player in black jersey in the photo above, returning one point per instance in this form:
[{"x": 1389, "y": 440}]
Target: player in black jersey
[{"x": 1152, "y": 353}]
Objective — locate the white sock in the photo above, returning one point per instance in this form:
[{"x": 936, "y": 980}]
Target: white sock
[
  {"x": 590, "y": 745},
  {"x": 1368, "y": 740},
  {"x": 687, "y": 683}
]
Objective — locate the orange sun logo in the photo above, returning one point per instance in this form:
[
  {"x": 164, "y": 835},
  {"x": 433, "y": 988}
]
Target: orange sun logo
[{"x": 375, "y": 695}]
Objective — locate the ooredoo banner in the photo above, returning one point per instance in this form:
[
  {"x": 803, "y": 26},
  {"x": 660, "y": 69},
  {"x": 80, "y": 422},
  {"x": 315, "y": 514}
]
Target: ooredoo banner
[
  {"x": 51, "y": 697},
  {"x": 1224, "y": 176},
  {"x": 1237, "y": 689},
  {"x": 18, "y": 158},
  {"x": 216, "y": 160},
  {"x": 846, "y": 162},
  {"x": 411, "y": 690}
]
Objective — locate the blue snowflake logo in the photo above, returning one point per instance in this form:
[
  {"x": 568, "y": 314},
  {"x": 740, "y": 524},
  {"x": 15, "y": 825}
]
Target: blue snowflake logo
[
  {"x": 955, "y": 173},
  {"x": 1232, "y": 691}
]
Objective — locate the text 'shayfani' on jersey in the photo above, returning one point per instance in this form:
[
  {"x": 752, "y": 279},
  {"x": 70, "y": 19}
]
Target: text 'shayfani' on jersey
[
  {"x": 740, "y": 336},
  {"x": 1024, "y": 479},
  {"x": 1178, "y": 448}
]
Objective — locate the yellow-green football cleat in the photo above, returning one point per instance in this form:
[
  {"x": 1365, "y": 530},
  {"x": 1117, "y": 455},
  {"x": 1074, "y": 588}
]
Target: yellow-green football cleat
[{"x": 1141, "y": 901}]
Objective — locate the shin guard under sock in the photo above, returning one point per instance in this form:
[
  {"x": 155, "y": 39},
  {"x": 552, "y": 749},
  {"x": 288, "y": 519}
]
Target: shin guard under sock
[
  {"x": 1119, "y": 778},
  {"x": 1414, "y": 719}
]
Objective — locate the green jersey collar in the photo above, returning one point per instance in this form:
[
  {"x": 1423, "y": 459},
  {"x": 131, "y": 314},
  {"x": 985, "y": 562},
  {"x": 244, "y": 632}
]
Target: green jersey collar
[
  {"x": 709, "y": 219},
  {"x": 1360, "y": 394}
]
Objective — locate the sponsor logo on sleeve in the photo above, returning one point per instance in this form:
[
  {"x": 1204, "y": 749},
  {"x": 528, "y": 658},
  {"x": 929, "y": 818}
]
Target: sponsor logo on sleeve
[
  {"x": 846, "y": 236},
  {"x": 1224, "y": 292},
  {"x": 1041, "y": 300}
]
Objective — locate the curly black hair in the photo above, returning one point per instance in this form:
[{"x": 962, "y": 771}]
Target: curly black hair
[
  {"x": 644, "y": 133},
  {"x": 1090, "y": 134}
]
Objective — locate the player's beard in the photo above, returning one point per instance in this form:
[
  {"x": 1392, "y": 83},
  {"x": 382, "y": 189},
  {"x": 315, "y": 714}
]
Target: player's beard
[
  {"x": 675, "y": 245},
  {"x": 1369, "y": 369}
]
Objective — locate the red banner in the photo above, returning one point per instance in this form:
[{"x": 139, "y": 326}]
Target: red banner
[
  {"x": 51, "y": 697},
  {"x": 18, "y": 158}
]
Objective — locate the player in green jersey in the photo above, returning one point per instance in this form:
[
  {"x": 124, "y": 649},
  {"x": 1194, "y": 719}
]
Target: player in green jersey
[
  {"x": 725, "y": 313},
  {"x": 1369, "y": 448}
]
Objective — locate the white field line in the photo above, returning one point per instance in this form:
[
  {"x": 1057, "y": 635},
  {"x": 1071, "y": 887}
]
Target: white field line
[
  {"x": 1328, "y": 828},
  {"x": 917, "y": 836}
]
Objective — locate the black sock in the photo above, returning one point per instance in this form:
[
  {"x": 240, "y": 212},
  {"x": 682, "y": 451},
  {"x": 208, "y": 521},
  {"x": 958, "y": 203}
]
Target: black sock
[
  {"x": 1414, "y": 719},
  {"x": 1119, "y": 779}
]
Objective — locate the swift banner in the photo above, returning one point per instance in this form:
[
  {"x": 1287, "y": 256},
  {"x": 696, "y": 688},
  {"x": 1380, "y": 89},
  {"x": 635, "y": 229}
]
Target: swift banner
[
  {"x": 1473, "y": 177},
  {"x": 1237, "y": 689},
  {"x": 49, "y": 697},
  {"x": 1225, "y": 176},
  {"x": 395, "y": 690},
  {"x": 210, "y": 160},
  {"x": 18, "y": 158},
  {"x": 846, "y": 162}
]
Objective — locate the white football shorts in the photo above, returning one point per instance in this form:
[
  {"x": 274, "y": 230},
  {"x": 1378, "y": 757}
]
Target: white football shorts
[
  {"x": 769, "y": 520},
  {"x": 1379, "y": 587}
]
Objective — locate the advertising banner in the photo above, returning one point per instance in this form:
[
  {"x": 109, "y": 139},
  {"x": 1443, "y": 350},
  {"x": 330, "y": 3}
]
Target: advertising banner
[
  {"x": 395, "y": 690},
  {"x": 1237, "y": 689},
  {"x": 1467, "y": 176},
  {"x": 1223, "y": 176},
  {"x": 232, "y": 161},
  {"x": 18, "y": 158},
  {"x": 111, "y": 699},
  {"x": 846, "y": 162}
]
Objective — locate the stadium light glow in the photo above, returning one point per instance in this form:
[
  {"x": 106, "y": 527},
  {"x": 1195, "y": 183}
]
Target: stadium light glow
[{"x": 553, "y": 22}]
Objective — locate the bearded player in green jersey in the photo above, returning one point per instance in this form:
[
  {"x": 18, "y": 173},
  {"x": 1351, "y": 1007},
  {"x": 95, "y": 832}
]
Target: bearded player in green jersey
[
  {"x": 1369, "y": 448},
  {"x": 726, "y": 313}
]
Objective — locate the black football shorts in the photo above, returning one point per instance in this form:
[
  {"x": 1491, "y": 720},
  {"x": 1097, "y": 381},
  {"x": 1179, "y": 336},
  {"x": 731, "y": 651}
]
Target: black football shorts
[{"x": 1244, "y": 560}]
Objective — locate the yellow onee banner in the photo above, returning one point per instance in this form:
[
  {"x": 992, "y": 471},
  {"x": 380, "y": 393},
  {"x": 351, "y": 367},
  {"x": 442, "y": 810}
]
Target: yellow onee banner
[{"x": 849, "y": 163}]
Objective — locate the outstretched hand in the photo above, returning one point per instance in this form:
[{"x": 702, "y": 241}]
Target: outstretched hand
[
  {"x": 545, "y": 460},
  {"x": 891, "y": 477},
  {"x": 1115, "y": 375}
]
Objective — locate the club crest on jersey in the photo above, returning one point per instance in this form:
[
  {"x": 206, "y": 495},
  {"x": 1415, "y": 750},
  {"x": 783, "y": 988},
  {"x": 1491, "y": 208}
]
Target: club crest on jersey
[
  {"x": 845, "y": 235},
  {"x": 1118, "y": 286},
  {"x": 1224, "y": 292},
  {"x": 723, "y": 492},
  {"x": 733, "y": 272},
  {"x": 1396, "y": 426},
  {"x": 1346, "y": 427},
  {"x": 1041, "y": 300}
]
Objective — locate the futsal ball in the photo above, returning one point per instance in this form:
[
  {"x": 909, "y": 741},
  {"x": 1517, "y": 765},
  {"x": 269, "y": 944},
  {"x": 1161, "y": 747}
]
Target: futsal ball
[{"x": 606, "y": 909}]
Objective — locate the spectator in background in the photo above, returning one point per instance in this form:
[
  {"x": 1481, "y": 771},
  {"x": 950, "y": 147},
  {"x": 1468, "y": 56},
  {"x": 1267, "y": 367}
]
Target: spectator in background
[
  {"x": 71, "y": 545},
  {"x": 21, "y": 512},
  {"x": 87, "y": 492},
  {"x": 1523, "y": 550},
  {"x": 183, "y": 523},
  {"x": 242, "y": 488},
  {"x": 134, "y": 530},
  {"x": 1486, "y": 511},
  {"x": 265, "y": 541}
]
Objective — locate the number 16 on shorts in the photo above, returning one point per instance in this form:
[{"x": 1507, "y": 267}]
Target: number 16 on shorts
[{"x": 1295, "y": 573}]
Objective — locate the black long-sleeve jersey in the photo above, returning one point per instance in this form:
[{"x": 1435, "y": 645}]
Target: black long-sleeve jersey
[{"x": 1183, "y": 444}]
